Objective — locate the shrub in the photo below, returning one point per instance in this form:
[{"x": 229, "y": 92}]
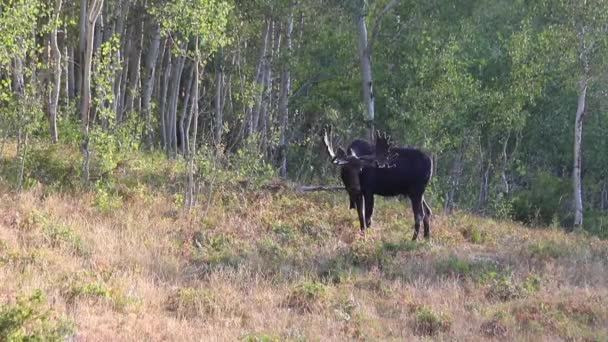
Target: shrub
[
  {"x": 548, "y": 249},
  {"x": 190, "y": 302},
  {"x": 307, "y": 296},
  {"x": 284, "y": 232},
  {"x": 473, "y": 234},
  {"x": 54, "y": 165},
  {"x": 453, "y": 266},
  {"x": 260, "y": 337},
  {"x": 106, "y": 199},
  {"x": 62, "y": 235},
  {"x": 480, "y": 270},
  {"x": 27, "y": 320},
  {"x": 430, "y": 323},
  {"x": 544, "y": 201},
  {"x": 318, "y": 231},
  {"x": 94, "y": 289},
  {"x": 505, "y": 290},
  {"x": 495, "y": 327},
  {"x": 218, "y": 250}
]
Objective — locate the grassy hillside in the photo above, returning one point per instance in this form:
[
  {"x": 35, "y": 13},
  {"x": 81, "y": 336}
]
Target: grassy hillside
[{"x": 270, "y": 264}]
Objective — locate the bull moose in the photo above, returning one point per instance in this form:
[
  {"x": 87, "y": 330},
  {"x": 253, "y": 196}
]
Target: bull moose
[{"x": 385, "y": 170}]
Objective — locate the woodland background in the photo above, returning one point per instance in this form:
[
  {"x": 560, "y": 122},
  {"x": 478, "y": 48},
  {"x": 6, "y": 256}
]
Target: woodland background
[
  {"x": 508, "y": 96},
  {"x": 151, "y": 154}
]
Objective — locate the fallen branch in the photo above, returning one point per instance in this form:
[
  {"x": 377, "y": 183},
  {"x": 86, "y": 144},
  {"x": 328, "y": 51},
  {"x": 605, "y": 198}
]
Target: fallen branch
[{"x": 307, "y": 188}]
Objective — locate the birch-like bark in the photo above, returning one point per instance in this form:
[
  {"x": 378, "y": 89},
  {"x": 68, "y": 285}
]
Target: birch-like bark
[
  {"x": 85, "y": 102},
  {"x": 97, "y": 40},
  {"x": 173, "y": 101},
  {"x": 253, "y": 112},
  {"x": 219, "y": 85},
  {"x": 164, "y": 103},
  {"x": 82, "y": 45},
  {"x": 148, "y": 86},
  {"x": 190, "y": 189},
  {"x": 454, "y": 181},
  {"x": 134, "y": 68},
  {"x": 284, "y": 96},
  {"x": 56, "y": 65},
  {"x": 266, "y": 103},
  {"x": 366, "y": 71},
  {"x": 182, "y": 119},
  {"x": 71, "y": 73},
  {"x": 576, "y": 170}
]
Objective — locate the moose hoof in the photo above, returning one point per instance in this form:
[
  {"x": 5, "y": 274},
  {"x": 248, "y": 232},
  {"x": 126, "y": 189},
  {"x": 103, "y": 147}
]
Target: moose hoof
[{"x": 415, "y": 237}]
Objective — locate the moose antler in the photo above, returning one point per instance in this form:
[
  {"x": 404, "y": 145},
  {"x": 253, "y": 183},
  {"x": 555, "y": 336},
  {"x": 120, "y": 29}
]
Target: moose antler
[
  {"x": 337, "y": 157},
  {"x": 384, "y": 156},
  {"x": 380, "y": 158}
]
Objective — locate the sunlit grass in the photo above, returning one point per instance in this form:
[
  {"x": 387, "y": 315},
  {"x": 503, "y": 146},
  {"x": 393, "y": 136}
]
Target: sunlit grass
[{"x": 281, "y": 265}]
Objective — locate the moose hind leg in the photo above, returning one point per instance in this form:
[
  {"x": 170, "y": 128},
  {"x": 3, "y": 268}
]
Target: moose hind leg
[
  {"x": 369, "y": 209},
  {"x": 418, "y": 210},
  {"x": 426, "y": 220}
]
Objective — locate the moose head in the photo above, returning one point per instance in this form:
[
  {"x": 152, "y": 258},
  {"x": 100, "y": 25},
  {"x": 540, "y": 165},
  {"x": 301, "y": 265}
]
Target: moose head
[{"x": 380, "y": 156}]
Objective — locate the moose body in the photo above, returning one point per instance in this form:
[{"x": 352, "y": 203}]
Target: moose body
[{"x": 408, "y": 175}]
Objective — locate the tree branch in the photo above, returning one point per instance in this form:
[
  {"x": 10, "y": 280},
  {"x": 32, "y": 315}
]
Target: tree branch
[
  {"x": 376, "y": 29},
  {"x": 309, "y": 188}
]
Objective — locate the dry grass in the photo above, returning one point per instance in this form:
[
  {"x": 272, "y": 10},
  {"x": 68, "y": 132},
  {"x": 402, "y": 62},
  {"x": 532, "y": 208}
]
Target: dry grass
[{"x": 286, "y": 266}]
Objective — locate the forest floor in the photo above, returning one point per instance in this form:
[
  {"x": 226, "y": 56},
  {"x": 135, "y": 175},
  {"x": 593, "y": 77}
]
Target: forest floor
[{"x": 274, "y": 264}]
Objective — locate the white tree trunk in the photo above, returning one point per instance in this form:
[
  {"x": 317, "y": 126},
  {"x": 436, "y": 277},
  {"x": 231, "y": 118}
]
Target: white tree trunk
[
  {"x": 219, "y": 84},
  {"x": 56, "y": 65},
  {"x": 85, "y": 101},
  {"x": 284, "y": 96},
  {"x": 366, "y": 71},
  {"x": 150, "y": 67},
  {"x": 164, "y": 104},
  {"x": 190, "y": 189},
  {"x": 182, "y": 120},
  {"x": 253, "y": 112},
  {"x": 576, "y": 170}
]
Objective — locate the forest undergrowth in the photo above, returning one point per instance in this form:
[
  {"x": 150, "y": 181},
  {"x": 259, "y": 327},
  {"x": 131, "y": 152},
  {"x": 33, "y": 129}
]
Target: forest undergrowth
[{"x": 125, "y": 261}]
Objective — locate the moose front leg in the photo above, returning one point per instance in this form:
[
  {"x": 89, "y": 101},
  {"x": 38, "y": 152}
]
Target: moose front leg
[
  {"x": 418, "y": 210},
  {"x": 360, "y": 204}
]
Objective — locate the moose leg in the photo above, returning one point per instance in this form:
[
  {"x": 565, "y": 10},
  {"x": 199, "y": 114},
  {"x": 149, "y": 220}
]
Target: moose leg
[
  {"x": 369, "y": 208},
  {"x": 360, "y": 203},
  {"x": 352, "y": 204},
  {"x": 418, "y": 210},
  {"x": 426, "y": 220}
]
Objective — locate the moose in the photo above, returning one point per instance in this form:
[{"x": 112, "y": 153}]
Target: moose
[{"x": 382, "y": 169}]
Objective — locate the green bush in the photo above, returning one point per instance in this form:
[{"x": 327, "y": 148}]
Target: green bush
[
  {"x": 505, "y": 290},
  {"x": 63, "y": 235},
  {"x": 248, "y": 163},
  {"x": 596, "y": 223},
  {"x": 217, "y": 250},
  {"x": 307, "y": 296},
  {"x": 28, "y": 320},
  {"x": 191, "y": 302},
  {"x": 544, "y": 201},
  {"x": 53, "y": 165},
  {"x": 260, "y": 337},
  {"x": 454, "y": 266},
  {"x": 548, "y": 249},
  {"x": 428, "y": 322}
]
